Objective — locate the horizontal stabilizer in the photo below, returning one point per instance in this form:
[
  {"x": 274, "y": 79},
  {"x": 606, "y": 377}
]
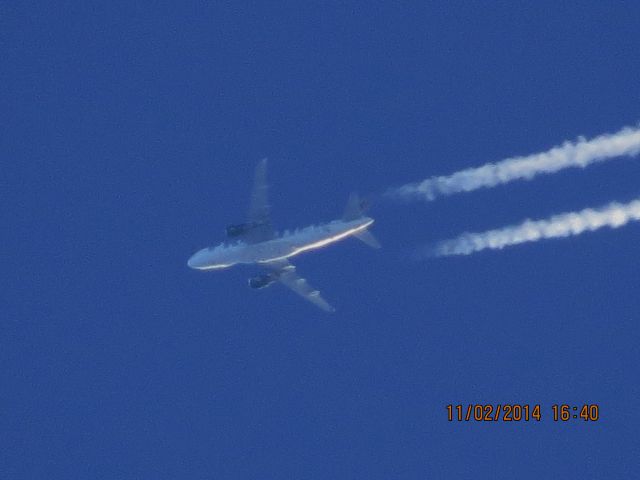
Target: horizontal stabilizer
[{"x": 367, "y": 237}]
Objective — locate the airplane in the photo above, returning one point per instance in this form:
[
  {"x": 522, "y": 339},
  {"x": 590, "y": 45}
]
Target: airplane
[{"x": 256, "y": 242}]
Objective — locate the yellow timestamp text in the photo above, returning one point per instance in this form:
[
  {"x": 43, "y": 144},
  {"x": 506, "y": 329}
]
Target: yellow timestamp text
[{"x": 521, "y": 412}]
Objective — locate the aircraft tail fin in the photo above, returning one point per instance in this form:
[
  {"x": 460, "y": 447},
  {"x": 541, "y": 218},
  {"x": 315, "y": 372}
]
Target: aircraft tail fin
[{"x": 355, "y": 207}]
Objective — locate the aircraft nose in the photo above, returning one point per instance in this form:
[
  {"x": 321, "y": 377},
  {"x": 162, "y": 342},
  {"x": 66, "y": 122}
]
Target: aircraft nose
[{"x": 195, "y": 261}]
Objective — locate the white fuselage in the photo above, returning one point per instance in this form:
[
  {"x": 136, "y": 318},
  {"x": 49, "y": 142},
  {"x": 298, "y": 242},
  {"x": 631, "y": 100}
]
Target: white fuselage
[{"x": 284, "y": 246}]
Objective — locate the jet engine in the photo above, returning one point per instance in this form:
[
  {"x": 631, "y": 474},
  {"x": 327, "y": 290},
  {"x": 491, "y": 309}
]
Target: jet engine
[
  {"x": 262, "y": 281},
  {"x": 240, "y": 229},
  {"x": 236, "y": 230}
]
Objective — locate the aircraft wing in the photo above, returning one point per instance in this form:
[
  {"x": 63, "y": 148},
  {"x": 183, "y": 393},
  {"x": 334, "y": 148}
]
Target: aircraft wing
[
  {"x": 286, "y": 274},
  {"x": 259, "y": 211}
]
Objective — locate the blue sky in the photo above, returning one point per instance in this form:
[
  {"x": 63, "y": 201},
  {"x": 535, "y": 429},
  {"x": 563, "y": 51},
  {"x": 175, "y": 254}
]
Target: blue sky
[{"x": 130, "y": 134}]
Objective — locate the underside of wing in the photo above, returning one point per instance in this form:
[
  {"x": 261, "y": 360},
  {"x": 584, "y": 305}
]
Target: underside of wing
[
  {"x": 286, "y": 274},
  {"x": 259, "y": 211}
]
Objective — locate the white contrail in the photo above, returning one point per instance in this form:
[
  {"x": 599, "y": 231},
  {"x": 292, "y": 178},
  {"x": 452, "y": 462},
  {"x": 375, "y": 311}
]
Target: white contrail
[
  {"x": 580, "y": 153},
  {"x": 613, "y": 215}
]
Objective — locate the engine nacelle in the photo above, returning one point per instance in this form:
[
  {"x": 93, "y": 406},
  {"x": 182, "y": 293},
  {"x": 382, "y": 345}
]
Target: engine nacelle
[
  {"x": 237, "y": 230},
  {"x": 262, "y": 281},
  {"x": 241, "y": 228}
]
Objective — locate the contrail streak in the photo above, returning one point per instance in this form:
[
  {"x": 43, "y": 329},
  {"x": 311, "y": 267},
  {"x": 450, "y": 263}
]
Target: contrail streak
[
  {"x": 569, "y": 224},
  {"x": 580, "y": 153}
]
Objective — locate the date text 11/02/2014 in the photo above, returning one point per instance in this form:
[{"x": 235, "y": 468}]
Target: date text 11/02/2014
[{"x": 515, "y": 412}]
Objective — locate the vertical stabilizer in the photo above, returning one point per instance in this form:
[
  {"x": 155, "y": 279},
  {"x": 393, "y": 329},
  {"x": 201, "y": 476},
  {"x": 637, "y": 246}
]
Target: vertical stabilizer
[{"x": 355, "y": 209}]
